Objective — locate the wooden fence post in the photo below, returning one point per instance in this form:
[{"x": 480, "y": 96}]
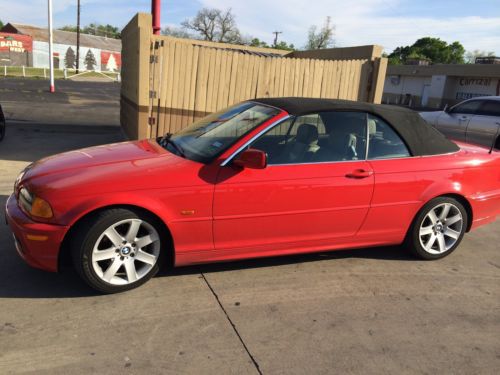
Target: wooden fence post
[{"x": 134, "y": 95}]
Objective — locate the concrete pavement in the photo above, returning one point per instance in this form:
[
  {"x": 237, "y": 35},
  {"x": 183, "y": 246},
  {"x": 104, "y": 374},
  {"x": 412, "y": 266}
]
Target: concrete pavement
[{"x": 375, "y": 311}]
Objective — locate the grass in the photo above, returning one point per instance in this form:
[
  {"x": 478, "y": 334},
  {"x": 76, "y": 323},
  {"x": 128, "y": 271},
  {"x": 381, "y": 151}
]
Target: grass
[{"x": 29, "y": 72}]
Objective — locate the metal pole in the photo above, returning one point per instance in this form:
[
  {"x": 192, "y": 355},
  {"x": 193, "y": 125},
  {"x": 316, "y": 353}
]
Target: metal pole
[
  {"x": 155, "y": 10},
  {"x": 78, "y": 38},
  {"x": 51, "y": 58}
]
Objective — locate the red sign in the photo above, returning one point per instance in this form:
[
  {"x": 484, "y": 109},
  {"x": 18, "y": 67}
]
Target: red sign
[
  {"x": 15, "y": 42},
  {"x": 111, "y": 61}
]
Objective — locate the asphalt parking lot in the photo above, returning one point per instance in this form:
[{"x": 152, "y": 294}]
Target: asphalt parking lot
[{"x": 375, "y": 311}]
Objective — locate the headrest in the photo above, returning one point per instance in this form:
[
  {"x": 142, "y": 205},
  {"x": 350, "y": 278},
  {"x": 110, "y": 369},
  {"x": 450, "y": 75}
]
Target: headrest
[
  {"x": 372, "y": 126},
  {"x": 307, "y": 133}
]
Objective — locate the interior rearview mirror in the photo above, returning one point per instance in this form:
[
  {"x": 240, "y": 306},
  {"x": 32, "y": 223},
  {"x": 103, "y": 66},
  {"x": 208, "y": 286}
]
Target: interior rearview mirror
[{"x": 251, "y": 158}]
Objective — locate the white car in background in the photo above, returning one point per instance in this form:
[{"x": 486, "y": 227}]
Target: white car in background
[{"x": 475, "y": 121}]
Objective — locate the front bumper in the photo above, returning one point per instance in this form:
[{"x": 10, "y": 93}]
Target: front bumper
[{"x": 37, "y": 243}]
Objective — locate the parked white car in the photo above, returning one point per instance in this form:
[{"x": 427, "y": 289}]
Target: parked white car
[{"x": 474, "y": 121}]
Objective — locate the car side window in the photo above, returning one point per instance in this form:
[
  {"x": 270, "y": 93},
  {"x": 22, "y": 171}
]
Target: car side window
[
  {"x": 384, "y": 142},
  {"x": 315, "y": 138},
  {"x": 345, "y": 136},
  {"x": 468, "y": 108},
  {"x": 490, "y": 108}
]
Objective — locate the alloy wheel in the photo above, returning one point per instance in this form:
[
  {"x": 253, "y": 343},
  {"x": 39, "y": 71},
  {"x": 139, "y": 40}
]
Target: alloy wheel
[
  {"x": 441, "y": 228},
  {"x": 126, "y": 252}
]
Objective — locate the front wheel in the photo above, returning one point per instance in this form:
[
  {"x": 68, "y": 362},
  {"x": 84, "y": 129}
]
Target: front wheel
[
  {"x": 117, "y": 250},
  {"x": 438, "y": 228}
]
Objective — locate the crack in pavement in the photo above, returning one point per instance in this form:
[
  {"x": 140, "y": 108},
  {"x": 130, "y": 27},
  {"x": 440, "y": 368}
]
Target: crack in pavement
[{"x": 232, "y": 324}]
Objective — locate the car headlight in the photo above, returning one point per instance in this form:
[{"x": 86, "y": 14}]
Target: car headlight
[
  {"x": 18, "y": 180},
  {"x": 20, "y": 177},
  {"x": 33, "y": 205}
]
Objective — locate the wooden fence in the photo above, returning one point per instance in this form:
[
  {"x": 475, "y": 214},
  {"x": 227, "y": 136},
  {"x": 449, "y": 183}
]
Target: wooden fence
[{"x": 168, "y": 82}]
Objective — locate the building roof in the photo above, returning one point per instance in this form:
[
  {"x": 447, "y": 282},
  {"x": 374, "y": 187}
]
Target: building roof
[
  {"x": 41, "y": 34},
  {"x": 453, "y": 70},
  {"x": 419, "y": 136}
]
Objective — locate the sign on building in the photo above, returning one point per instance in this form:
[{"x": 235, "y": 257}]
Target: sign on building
[{"x": 15, "y": 43}]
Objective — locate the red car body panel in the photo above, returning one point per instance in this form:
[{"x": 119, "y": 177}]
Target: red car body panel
[{"x": 219, "y": 213}]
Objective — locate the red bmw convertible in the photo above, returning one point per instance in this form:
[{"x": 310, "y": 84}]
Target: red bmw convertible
[{"x": 263, "y": 178}]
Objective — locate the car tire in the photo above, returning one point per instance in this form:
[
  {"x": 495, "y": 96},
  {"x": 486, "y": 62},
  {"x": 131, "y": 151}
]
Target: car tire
[
  {"x": 438, "y": 228},
  {"x": 117, "y": 250}
]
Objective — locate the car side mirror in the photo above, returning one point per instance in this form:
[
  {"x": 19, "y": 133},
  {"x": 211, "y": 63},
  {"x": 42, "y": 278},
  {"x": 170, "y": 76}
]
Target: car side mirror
[{"x": 251, "y": 158}]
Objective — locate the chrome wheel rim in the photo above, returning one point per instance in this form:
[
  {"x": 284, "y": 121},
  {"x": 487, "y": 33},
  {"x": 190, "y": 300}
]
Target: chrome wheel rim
[
  {"x": 441, "y": 228},
  {"x": 126, "y": 252}
]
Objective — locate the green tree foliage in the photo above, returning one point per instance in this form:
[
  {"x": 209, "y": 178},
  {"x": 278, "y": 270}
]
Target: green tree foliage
[
  {"x": 324, "y": 38},
  {"x": 256, "y": 42},
  {"x": 1, "y": 24},
  {"x": 68, "y": 28},
  {"x": 108, "y": 31},
  {"x": 435, "y": 50}
]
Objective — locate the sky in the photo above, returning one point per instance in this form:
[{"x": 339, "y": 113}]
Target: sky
[{"x": 390, "y": 23}]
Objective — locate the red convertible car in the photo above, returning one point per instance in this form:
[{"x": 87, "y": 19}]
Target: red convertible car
[{"x": 265, "y": 177}]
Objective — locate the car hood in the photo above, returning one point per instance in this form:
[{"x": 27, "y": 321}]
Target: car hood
[
  {"x": 114, "y": 167},
  {"x": 94, "y": 156}
]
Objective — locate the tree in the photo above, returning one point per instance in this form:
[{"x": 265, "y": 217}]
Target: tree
[
  {"x": 284, "y": 46},
  {"x": 69, "y": 28},
  {"x": 90, "y": 60},
  {"x": 215, "y": 25},
  {"x": 323, "y": 38},
  {"x": 256, "y": 42},
  {"x": 1, "y": 24},
  {"x": 108, "y": 31},
  {"x": 69, "y": 58},
  {"x": 433, "y": 49},
  {"x": 470, "y": 56},
  {"x": 177, "y": 32}
]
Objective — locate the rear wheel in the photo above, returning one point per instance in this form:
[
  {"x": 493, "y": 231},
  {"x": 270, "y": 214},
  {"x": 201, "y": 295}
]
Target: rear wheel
[
  {"x": 438, "y": 228},
  {"x": 117, "y": 250}
]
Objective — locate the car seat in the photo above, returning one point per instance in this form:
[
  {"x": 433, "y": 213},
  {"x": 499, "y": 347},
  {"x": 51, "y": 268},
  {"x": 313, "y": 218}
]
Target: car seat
[
  {"x": 342, "y": 144},
  {"x": 304, "y": 147}
]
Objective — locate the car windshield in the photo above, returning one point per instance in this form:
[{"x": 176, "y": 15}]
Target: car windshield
[{"x": 208, "y": 137}]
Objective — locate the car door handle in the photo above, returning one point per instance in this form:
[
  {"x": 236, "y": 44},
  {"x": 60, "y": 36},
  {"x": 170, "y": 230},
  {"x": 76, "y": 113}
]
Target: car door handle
[{"x": 359, "y": 173}]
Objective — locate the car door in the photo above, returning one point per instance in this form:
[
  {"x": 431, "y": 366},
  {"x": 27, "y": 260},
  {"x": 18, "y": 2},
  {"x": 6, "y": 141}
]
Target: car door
[
  {"x": 308, "y": 196},
  {"x": 454, "y": 123},
  {"x": 396, "y": 191},
  {"x": 484, "y": 126}
]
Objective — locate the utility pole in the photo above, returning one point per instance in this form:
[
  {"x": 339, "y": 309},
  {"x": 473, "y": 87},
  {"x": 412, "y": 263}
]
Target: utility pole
[
  {"x": 276, "y": 33},
  {"x": 51, "y": 41},
  {"x": 78, "y": 38}
]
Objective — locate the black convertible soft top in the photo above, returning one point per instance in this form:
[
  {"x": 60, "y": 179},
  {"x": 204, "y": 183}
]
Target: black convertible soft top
[{"x": 420, "y": 137}]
